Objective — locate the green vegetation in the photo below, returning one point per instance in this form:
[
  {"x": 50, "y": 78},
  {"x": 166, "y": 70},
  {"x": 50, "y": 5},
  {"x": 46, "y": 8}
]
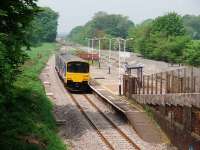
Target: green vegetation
[
  {"x": 168, "y": 38},
  {"x": 22, "y": 23},
  {"x": 102, "y": 25},
  {"x": 165, "y": 38},
  {"x": 14, "y": 19},
  {"x": 43, "y": 28},
  {"x": 28, "y": 123},
  {"x": 162, "y": 39},
  {"x": 192, "y": 53},
  {"x": 26, "y": 120},
  {"x": 192, "y": 25}
]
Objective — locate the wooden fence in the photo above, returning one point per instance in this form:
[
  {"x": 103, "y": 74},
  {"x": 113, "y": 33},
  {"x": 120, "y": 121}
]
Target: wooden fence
[
  {"x": 174, "y": 97},
  {"x": 185, "y": 80},
  {"x": 176, "y": 87}
]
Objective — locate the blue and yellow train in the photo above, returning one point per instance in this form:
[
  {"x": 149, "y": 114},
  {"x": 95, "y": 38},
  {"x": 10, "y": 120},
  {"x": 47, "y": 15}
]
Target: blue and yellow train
[{"x": 73, "y": 70}]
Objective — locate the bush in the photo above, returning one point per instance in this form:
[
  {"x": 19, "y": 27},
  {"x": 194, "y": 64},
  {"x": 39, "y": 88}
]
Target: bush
[
  {"x": 27, "y": 122},
  {"x": 192, "y": 54},
  {"x": 162, "y": 39}
]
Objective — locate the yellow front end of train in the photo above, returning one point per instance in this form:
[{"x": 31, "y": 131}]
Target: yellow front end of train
[
  {"x": 73, "y": 71},
  {"x": 77, "y": 75}
]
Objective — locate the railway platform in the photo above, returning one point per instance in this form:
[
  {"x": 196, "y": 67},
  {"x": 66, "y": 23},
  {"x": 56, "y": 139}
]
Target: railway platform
[
  {"x": 107, "y": 86},
  {"x": 141, "y": 122}
]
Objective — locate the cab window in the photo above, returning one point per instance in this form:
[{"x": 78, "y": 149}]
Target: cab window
[{"x": 78, "y": 67}]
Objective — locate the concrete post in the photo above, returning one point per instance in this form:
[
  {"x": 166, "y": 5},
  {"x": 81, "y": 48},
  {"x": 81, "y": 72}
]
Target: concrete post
[{"x": 187, "y": 118}]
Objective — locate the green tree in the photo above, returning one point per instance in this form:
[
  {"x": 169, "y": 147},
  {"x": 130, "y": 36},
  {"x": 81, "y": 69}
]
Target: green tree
[
  {"x": 43, "y": 28},
  {"x": 101, "y": 25},
  {"x": 162, "y": 39},
  {"x": 192, "y": 25},
  {"x": 140, "y": 34},
  {"x": 192, "y": 54},
  {"x": 170, "y": 24},
  {"x": 115, "y": 25},
  {"x": 15, "y": 16}
]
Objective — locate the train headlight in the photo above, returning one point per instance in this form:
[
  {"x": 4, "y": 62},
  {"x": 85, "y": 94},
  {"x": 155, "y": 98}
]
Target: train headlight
[
  {"x": 85, "y": 77},
  {"x": 69, "y": 78}
]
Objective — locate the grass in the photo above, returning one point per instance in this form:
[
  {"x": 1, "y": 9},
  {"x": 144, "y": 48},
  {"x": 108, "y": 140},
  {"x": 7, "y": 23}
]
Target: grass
[{"x": 28, "y": 124}]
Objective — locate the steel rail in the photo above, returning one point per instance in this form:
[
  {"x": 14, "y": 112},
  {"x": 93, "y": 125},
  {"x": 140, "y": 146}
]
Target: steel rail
[
  {"x": 113, "y": 124},
  {"x": 91, "y": 122},
  {"x": 109, "y": 145}
]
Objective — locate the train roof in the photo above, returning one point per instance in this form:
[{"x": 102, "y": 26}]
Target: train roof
[{"x": 68, "y": 57}]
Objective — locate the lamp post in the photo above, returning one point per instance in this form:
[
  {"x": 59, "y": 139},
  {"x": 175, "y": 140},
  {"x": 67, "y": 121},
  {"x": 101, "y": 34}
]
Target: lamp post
[
  {"x": 92, "y": 49},
  {"x": 110, "y": 48},
  {"x": 99, "y": 52},
  {"x": 125, "y": 42},
  {"x": 109, "y": 62},
  {"x": 88, "y": 46},
  {"x": 99, "y": 49},
  {"x": 119, "y": 40},
  {"x": 109, "y": 56},
  {"x": 91, "y": 39}
]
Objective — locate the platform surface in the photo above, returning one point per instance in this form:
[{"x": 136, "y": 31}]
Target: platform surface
[{"x": 140, "y": 121}]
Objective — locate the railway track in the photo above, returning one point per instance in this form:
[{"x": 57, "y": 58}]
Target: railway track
[
  {"x": 110, "y": 134},
  {"x": 113, "y": 137},
  {"x": 106, "y": 135}
]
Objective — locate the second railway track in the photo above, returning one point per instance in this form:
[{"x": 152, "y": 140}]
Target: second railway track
[{"x": 110, "y": 133}]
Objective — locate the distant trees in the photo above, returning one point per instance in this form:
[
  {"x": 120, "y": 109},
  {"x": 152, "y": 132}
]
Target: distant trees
[
  {"x": 162, "y": 39},
  {"x": 169, "y": 38},
  {"x": 78, "y": 34},
  {"x": 114, "y": 25},
  {"x": 140, "y": 34},
  {"x": 192, "y": 25},
  {"x": 170, "y": 25},
  {"x": 101, "y": 25},
  {"x": 192, "y": 53},
  {"x": 43, "y": 28}
]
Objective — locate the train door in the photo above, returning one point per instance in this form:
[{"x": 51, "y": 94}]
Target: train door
[{"x": 64, "y": 71}]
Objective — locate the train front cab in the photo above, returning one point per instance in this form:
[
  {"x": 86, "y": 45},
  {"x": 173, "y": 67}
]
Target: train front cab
[{"x": 77, "y": 75}]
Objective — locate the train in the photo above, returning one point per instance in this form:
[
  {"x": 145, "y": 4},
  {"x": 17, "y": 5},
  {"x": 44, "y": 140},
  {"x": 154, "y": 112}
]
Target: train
[{"x": 74, "y": 71}]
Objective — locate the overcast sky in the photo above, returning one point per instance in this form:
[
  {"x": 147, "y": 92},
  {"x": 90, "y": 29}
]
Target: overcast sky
[{"x": 78, "y": 12}]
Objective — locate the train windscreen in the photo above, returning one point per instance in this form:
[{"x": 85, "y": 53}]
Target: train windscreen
[{"x": 78, "y": 67}]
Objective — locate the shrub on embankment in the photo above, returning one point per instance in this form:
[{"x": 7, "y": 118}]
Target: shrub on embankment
[{"x": 27, "y": 123}]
